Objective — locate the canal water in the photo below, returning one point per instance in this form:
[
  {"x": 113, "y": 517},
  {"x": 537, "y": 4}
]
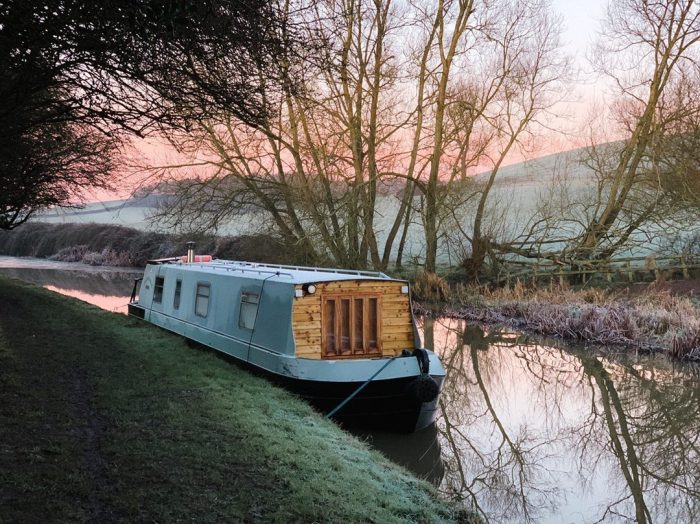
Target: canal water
[
  {"x": 529, "y": 431},
  {"x": 106, "y": 287}
]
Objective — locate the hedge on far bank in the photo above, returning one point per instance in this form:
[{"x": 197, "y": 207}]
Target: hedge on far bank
[{"x": 114, "y": 245}]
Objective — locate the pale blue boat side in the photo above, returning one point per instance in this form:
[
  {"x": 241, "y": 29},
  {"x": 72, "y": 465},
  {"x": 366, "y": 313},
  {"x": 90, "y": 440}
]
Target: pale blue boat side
[{"x": 270, "y": 345}]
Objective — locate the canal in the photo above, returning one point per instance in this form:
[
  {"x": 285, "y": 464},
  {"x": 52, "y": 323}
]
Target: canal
[{"x": 529, "y": 430}]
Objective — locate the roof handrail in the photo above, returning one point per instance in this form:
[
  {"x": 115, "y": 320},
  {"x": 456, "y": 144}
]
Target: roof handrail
[
  {"x": 359, "y": 272},
  {"x": 251, "y": 270},
  {"x": 260, "y": 267}
]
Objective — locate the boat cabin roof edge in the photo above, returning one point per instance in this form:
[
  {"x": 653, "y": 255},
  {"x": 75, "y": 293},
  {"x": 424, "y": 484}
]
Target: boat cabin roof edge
[{"x": 294, "y": 274}]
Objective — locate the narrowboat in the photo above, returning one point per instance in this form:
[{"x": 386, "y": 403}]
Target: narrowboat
[{"x": 344, "y": 340}]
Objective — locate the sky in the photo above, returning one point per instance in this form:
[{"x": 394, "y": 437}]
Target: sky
[{"x": 581, "y": 22}]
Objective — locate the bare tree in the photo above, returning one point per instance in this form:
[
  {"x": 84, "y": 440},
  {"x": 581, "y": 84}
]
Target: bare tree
[
  {"x": 49, "y": 164},
  {"x": 315, "y": 168},
  {"x": 88, "y": 74},
  {"x": 649, "y": 51},
  {"x": 510, "y": 50},
  {"x": 396, "y": 111}
]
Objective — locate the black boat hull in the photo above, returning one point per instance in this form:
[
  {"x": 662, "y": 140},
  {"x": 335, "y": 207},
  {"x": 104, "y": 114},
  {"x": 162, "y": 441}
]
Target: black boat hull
[{"x": 383, "y": 404}]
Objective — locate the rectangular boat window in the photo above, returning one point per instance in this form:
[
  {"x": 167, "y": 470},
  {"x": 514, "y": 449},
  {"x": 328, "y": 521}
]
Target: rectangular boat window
[
  {"x": 329, "y": 327},
  {"x": 249, "y": 310},
  {"x": 345, "y": 326},
  {"x": 201, "y": 303},
  {"x": 158, "y": 290},
  {"x": 176, "y": 298},
  {"x": 350, "y": 325},
  {"x": 372, "y": 325},
  {"x": 358, "y": 343}
]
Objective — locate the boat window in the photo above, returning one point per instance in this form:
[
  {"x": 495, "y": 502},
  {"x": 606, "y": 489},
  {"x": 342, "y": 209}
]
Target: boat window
[
  {"x": 372, "y": 339},
  {"x": 350, "y": 325},
  {"x": 201, "y": 303},
  {"x": 359, "y": 318},
  {"x": 249, "y": 310},
  {"x": 176, "y": 298},
  {"x": 329, "y": 326},
  {"x": 158, "y": 290}
]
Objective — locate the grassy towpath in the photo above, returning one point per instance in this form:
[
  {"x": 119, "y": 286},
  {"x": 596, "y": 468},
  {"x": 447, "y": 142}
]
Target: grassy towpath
[{"x": 104, "y": 418}]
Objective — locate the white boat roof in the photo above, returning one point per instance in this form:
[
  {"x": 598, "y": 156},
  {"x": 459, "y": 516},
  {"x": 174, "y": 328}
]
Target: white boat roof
[{"x": 291, "y": 274}]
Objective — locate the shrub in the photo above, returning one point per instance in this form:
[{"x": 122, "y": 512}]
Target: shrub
[
  {"x": 70, "y": 254},
  {"x": 106, "y": 244},
  {"x": 430, "y": 287}
]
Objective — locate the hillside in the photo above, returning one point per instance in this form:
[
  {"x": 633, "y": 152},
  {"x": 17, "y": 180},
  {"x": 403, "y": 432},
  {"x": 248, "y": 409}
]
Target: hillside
[{"x": 519, "y": 192}]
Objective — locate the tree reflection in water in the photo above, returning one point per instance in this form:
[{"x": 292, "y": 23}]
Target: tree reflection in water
[{"x": 534, "y": 433}]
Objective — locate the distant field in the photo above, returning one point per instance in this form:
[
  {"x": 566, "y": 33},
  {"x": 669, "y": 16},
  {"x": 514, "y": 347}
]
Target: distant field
[{"x": 519, "y": 190}]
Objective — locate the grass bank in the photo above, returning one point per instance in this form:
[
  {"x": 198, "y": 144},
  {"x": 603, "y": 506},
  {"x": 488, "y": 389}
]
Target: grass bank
[
  {"x": 646, "y": 321},
  {"x": 104, "y": 418}
]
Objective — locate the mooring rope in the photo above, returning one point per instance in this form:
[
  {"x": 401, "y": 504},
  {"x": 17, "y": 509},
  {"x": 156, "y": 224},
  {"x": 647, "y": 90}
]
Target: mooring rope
[{"x": 362, "y": 386}]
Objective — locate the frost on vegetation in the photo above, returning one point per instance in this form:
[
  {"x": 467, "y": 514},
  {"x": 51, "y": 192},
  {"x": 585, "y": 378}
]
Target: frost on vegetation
[
  {"x": 82, "y": 253},
  {"x": 71, "y": 254},
  {"x": 107, "y": 257},
  {"x": 654, "y": 321}
]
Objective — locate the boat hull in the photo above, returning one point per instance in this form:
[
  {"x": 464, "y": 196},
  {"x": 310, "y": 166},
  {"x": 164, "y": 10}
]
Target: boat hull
[{"x": 383, "y": 404}]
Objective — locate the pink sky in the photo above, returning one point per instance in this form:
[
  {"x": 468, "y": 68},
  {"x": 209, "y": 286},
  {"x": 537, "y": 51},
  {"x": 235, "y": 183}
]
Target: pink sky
[{"x": 581, "y": 21}]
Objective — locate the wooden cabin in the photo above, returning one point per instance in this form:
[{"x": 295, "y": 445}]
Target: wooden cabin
[{"x": 353, "y": 319}]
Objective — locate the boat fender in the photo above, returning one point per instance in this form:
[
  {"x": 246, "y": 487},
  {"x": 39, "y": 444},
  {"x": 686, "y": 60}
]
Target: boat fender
[{"x": 424, "y": 388}]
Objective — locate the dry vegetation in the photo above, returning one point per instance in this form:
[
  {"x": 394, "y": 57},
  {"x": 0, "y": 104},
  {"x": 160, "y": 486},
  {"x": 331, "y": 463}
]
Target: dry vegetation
[
  {"x": 111, "y": 245},
  {"x": 430, "y": 287},
  {"x": 650, "y": 321}
]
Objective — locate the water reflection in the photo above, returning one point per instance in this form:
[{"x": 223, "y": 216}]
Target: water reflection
[
  {"x": 114, "y": 303},
  {"x": 534, "y": 433},
  {"x": 108, "y": 288},
  {"x": 418, "y": 452}
]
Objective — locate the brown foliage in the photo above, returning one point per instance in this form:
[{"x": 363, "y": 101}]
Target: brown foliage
[
  {"x": 430, "y": 287},
  {"x": 653, "y": 321}
]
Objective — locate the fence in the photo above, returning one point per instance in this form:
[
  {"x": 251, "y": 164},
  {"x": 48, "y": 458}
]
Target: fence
[{"x": 629, "y": 269}]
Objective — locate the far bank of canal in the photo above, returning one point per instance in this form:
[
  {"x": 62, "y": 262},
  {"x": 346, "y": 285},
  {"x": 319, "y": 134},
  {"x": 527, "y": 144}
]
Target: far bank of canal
[{"x": 528, "y": 431}]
